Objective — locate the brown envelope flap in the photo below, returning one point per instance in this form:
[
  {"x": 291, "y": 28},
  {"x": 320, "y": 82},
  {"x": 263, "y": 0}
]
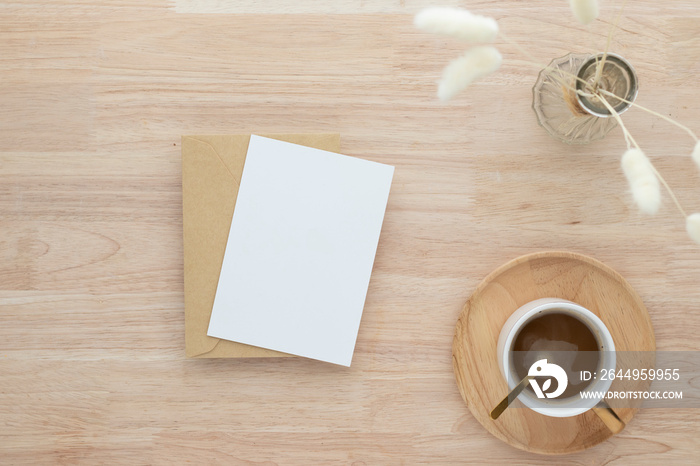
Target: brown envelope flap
[{"x": 211, "y": 173}]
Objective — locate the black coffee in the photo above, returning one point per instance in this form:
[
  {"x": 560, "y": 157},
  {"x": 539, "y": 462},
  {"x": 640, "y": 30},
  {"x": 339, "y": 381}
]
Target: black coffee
[{"x": 561, "y": 339}]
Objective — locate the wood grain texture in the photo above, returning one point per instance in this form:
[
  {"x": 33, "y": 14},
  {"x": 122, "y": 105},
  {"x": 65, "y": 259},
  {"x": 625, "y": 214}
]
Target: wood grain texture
[
  {"x": 95, "y": 97},
  {"x": 564, "y": 275}
]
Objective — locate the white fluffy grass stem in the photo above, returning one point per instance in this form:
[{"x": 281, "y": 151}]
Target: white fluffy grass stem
[
  {"x": 642, "y": 181},
  {"x": 585, "y": 11},
  {"x": 613, "y": 112},
  {"x": 692, "y": 225},
  {"x": 599, "y": 66},
  {"x": 696, "y": 153},
  {"x": 656, "y": 172},
  {"x": 670, "y": 120},
  {"x": 458, "y": 23},
  {"x": 628, "y": 137},
  {"x": 474, "y": 64}
]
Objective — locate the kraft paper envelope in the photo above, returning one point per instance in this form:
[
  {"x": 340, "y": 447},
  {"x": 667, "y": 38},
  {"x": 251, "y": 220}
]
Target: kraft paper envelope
[{"x": 211, "y": 172}]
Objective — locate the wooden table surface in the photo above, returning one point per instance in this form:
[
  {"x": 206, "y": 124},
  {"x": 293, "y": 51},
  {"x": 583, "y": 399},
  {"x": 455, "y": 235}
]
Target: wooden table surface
[{"x": 94, "y": 98}]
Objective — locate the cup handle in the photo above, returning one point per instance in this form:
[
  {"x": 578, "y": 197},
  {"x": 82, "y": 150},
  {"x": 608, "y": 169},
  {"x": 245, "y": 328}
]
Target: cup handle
[{"x": 608, "y": 416}]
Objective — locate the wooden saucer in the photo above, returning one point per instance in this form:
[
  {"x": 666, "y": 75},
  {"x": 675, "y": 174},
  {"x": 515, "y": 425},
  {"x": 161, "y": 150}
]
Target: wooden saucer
[{"x": 542, "y": 275}]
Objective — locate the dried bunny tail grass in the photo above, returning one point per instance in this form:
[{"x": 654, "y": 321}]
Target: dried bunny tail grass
[
  {"x": 696, "y": 154},
  {"x": 585, "y": 11},
  {"x": 457, "y": 23},
  {"x": 692, "y": 224},
  {"x": 642, "y": 180},
  {"x": 476, "y": 63}
]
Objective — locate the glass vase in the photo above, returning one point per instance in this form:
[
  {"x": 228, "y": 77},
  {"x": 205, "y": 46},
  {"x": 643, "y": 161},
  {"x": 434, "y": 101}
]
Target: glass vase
[{"x": 575, "y": 119}]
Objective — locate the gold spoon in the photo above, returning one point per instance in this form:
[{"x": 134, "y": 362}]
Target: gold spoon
[
  {"x": 604, "y": 412},
  {"x": 498, "y": 410}
]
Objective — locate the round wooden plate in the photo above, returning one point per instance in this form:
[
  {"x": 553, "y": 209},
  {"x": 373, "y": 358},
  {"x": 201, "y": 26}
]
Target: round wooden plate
[{"x": 542, "y": 275}]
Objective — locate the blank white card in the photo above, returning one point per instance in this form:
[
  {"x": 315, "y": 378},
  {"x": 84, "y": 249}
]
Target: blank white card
[{"x": 300, "y": 250}]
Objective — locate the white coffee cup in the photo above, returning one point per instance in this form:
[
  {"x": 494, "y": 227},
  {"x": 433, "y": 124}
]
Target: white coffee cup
[{"x": 572, "y": 405}]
